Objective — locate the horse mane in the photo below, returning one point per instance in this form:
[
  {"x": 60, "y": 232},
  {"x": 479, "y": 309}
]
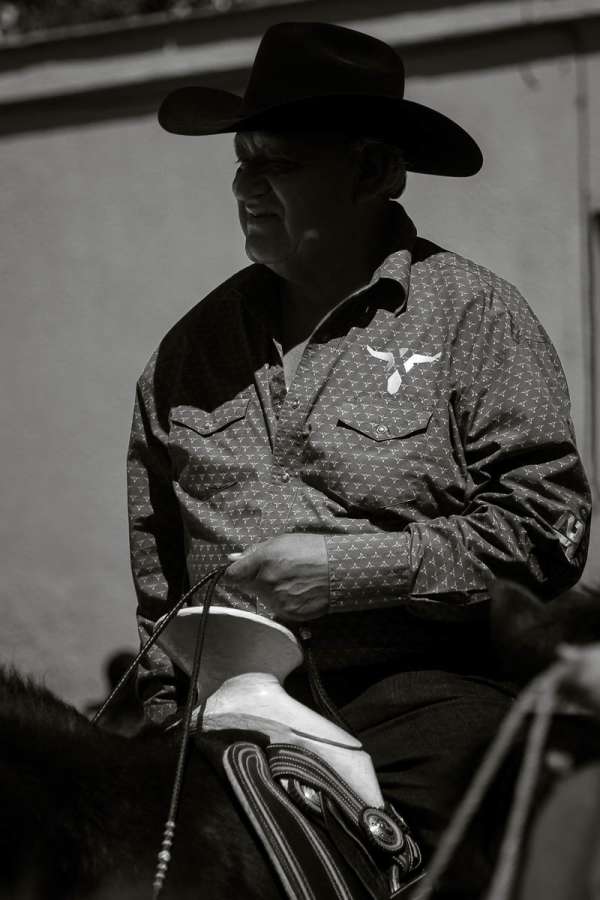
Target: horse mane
[
  {"x": 24, "y": 701},
  {"x": 62, "y": 787},
  {"x": 84, "y": 808},
  {"x": 526, "y": 631}
]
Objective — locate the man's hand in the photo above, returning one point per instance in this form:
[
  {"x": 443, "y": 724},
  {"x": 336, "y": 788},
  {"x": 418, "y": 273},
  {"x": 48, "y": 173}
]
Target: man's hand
[{"x": 289, "y": 574}]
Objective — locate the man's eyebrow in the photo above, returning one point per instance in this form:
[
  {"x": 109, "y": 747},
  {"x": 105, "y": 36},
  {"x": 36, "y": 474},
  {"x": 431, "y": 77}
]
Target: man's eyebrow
[{"x": 273, "y": 151}]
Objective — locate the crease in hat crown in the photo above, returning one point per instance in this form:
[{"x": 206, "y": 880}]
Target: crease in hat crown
[{"x": 311, "y": 75}]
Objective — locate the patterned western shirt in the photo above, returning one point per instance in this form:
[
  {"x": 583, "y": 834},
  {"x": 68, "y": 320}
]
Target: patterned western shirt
[{"x": 426, "y": 435}]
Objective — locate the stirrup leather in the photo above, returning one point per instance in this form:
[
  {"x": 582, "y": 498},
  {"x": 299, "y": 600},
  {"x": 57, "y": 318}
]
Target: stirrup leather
[
  {"x": 321, "y": 838},
  {"x": 378, "y": 840}
]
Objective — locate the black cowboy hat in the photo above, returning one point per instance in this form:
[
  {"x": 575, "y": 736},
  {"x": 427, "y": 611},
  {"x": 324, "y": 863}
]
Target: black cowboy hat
[{"x": 310, "y": 76}]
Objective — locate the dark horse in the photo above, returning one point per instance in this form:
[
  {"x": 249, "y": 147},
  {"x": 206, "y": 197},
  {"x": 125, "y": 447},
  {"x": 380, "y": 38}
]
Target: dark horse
[{"x": 82, "y": 811}]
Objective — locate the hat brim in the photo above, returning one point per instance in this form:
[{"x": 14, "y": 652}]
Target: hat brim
[{"x": 432, "y": 143}]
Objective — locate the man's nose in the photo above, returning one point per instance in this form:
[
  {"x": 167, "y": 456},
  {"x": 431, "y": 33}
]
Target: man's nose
[{"x": 248, "y": 184}]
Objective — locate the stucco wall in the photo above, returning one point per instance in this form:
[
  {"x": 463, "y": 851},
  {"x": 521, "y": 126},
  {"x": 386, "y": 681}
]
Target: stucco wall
[{"x": 114, "y": 230}]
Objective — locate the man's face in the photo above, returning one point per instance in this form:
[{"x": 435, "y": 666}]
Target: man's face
[{"x": 295, "y": 196}]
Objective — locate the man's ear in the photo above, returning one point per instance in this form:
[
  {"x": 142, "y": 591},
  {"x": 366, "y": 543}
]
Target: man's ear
[{"x": 376, "y": 171}]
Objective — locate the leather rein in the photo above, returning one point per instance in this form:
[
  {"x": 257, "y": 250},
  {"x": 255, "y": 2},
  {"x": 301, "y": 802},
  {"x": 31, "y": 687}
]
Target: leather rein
[{"x": 210, "y": 580}]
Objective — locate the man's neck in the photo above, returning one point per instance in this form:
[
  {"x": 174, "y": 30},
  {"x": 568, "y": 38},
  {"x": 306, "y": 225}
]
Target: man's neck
[{"x": 308, "y": 296}]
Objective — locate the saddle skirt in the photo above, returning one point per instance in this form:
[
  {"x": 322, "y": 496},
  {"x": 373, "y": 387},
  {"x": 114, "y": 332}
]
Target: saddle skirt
[{"x": 323, "y": 841}]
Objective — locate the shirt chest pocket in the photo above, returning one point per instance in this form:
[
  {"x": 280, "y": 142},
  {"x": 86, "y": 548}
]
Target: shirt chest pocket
[
  {"x": 371, "y": 455},
  {"x": 208, "y": 448},
  {"x": 380, "y": 421}
]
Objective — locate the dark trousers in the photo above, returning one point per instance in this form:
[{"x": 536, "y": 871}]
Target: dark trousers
[{"x": 426, "y": 732}]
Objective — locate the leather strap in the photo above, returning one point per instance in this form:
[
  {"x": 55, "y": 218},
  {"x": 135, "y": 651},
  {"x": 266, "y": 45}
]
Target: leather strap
[
  {"x": 322, "y": 840},
  {"x": 298, "y": 853}
]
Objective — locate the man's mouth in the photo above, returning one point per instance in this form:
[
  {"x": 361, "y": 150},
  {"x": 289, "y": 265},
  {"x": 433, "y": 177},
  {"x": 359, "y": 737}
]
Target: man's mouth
[{"x": 259, "y": 214}]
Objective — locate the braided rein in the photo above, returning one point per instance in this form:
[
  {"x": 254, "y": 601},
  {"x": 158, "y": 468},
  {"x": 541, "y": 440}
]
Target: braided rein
[{"x": 164, "y": 854}]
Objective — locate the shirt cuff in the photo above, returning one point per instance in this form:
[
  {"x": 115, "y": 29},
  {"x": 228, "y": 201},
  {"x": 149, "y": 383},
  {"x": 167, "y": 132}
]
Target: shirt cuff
[{"x": 366, "y": 570}]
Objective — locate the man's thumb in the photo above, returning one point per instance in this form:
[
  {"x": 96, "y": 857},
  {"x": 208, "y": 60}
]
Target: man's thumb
[{"x": 244, "y": 565}]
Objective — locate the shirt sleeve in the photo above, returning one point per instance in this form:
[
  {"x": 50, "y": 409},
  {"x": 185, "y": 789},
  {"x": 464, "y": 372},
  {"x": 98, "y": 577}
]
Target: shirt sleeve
[
  {"x": 156, "y": 543},
  {"x": 527, "y": 507}
]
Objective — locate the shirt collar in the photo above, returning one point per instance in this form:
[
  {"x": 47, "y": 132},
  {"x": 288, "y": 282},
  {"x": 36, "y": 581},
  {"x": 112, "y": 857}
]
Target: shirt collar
[{"x": 397, "y": 265}]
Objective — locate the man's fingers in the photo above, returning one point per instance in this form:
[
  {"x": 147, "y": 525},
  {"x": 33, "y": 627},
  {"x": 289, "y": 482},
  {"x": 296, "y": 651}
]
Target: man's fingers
[
  {"x": 288, "y": 574},
  {"x": 244, "y": 565},
  {"x": 255, "y": 564}
]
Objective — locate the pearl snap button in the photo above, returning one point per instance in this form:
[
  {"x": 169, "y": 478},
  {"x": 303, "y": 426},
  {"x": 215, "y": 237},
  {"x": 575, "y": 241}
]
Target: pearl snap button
[
  {"x": 285, "y": 477},
  {"x": 382, "y": 429}
]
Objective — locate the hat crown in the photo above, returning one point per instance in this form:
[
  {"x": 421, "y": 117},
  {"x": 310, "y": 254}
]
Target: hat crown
[
  {"x": 297, "y": 60},
  {"x": 316, "y": 77}
]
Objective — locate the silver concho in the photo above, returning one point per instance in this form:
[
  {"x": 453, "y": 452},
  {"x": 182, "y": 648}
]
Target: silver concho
[{"x": 382, "y": 830}]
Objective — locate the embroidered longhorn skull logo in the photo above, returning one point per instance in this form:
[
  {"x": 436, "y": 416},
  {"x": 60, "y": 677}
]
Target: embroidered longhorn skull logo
[{"x": 394, "y": 379}]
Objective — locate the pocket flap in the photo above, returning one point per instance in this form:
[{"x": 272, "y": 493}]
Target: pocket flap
[
  {"x": 382, "y": 422},
  {"x": 207, "y": 423}
]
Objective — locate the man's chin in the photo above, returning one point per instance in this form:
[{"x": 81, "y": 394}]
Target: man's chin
[{"x": 259, "y": 252}]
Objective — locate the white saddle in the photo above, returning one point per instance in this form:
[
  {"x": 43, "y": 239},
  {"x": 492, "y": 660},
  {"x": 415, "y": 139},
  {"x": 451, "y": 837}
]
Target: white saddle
[{"x": 245, "y": 659}]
